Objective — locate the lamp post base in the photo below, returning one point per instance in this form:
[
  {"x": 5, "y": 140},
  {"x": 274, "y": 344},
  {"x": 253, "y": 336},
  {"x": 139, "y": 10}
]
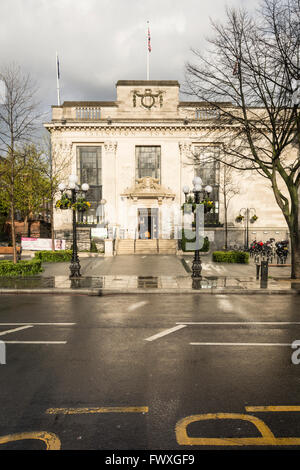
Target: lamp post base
[
  {"x": 75, "y": 269},
  {"x": 196, "y": 266}
]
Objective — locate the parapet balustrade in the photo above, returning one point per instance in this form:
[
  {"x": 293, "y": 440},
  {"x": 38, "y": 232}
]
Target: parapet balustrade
[{"x": 88, "y": 113}]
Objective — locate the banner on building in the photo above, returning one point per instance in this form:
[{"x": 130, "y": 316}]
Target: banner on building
[{"x": 42, "y": 244}]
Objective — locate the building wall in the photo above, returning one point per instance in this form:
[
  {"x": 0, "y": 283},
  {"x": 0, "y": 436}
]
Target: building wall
[{"x": 125, "y": 125}]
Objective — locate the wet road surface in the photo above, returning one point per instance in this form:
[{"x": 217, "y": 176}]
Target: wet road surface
[{"x": 150, "y": 372}]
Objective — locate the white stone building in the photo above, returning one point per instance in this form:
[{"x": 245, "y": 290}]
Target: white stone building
[{"x": 136, "y": 153}]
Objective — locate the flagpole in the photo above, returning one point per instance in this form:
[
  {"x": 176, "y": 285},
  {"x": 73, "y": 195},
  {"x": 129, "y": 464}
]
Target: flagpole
[
  {"x": 148, "y": 64},
  {"x": 57, "y": 80},
  {"x": 148, "y": 52}
]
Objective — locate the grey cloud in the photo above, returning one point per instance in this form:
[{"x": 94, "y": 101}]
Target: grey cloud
[{"x": 102, "y": 41}]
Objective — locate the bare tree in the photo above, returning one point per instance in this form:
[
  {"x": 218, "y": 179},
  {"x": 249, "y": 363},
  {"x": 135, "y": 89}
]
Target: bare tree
[
  {"x": 228, "y": 190},
  {"x": 18, "y": 119},
  {"x": 58, "y": 161},
  {"x": 249, "y": 76}
]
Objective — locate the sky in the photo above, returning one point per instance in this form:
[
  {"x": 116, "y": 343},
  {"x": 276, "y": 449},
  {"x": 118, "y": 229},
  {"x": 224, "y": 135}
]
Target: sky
[{"x": 102, "y": 41}]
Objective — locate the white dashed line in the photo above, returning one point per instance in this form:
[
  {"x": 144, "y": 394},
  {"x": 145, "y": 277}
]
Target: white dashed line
[
  {"x": 165, "y": 332},
  {"x": 137, "y": 305},
  {"x": 2, "y": 333}
]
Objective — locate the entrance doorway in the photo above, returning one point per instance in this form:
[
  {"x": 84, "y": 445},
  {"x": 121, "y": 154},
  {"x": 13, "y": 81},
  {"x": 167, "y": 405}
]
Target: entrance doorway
[{"x": 147, "y": 223}]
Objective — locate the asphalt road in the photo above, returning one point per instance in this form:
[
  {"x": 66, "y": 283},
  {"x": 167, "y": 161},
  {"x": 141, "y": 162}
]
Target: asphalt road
[{"x": 126, "y": 372}]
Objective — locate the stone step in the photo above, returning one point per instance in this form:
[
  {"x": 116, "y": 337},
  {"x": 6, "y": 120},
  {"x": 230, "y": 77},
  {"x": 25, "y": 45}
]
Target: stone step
[{"x": 125, "y": 247}]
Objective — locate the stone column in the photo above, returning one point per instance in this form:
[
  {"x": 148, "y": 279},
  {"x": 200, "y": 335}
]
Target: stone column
[
  {"x": 185, "y": 149},
  {"x": 109, "y": 181}
]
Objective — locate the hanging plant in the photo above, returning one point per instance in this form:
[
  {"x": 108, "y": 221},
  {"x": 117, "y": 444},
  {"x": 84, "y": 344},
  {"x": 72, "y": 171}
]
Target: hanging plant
[
  {"x": 81, "y": 205},
  {"x": 253, "y": 219},
  {"x": 208, "y": 205},
  {"x": 64, "y": 202},
  {"x": 239, "y": 218},
  {"x": 189, "y": 207}
]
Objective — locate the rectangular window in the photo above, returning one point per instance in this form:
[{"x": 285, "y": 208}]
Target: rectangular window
[
  {"x": 89, "y": 165},
  {"x": 208, "y": 169},
  {"x": 147, "y": 161}
]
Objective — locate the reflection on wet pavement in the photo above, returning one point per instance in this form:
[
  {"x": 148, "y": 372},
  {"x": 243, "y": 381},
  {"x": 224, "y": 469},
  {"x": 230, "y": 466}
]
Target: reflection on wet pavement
[{"x": 144, "y": 282}]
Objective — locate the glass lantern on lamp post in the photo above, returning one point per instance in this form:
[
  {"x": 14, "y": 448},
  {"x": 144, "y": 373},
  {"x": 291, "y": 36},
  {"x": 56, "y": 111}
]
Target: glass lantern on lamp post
[{"x": 77, "y": 202}]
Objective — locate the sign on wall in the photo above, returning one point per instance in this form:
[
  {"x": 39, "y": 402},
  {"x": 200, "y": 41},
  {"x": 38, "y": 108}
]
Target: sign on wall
[
  {"x": 42, "y": 244},
  {"x": 99, "y": 232}
]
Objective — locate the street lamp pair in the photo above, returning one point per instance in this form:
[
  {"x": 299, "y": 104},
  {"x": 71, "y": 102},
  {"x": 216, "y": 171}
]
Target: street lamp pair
[
  {"x": 247, "y": 213},
  {"x": 75, "y": 191},
  {"x": 197, "y": 191}
]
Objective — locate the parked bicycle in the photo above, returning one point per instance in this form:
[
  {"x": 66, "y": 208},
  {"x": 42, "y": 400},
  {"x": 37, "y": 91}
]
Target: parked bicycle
[
  {"x": 264, "y": 250},
  {"x": 282, "y": 251}
]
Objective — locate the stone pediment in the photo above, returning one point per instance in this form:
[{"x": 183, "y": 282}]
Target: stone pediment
[{"x": 148, "y": 188}]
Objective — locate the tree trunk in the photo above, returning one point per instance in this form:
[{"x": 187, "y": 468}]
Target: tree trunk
[
  {"x": 295, "y": 251},
  {"x": 225, "y": 223},
  {"x": 52, "y": 224},
  {"x": 13, "y": 232},
  {"x": 29, "y": 222},
  {"x": 226, "y": 230}
]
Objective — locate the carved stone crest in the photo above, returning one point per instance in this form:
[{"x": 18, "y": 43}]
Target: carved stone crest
[
  {"x": 148, "y": 187},
  {"x": 148, "y": 99}
]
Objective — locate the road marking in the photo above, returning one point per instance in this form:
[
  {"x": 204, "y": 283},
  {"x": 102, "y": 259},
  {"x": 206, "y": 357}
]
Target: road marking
[
  {"x": 241, "y": 344},
  {"x": 2, "y": 333},
  {"x": 267, "y": 437},
  {"x": 165, "y": 332},
  {"x": 51, "y": 440},
  {"x": 38, "y": 324},
  {"x": 137, "y": 305},
  {"x": 35, "y": 342},
  {"x": 273, "y": 408},
  {"x": 106, "y": 409},
  {"x": 239, "y": 323}
]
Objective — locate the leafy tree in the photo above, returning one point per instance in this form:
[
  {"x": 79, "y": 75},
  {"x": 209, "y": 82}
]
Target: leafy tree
[
  {"x": 18, "y": 119},
  {"x": 31, "y": 189}
]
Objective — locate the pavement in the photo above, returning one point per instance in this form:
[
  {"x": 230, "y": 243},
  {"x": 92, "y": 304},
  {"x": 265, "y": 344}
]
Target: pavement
[
  {"x": 185, "y": 373},
  {"x": 141, "y": 274}
]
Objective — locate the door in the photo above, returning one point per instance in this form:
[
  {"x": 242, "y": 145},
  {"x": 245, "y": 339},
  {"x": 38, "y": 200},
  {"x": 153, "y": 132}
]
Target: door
[{"x": 147, "y": 223}]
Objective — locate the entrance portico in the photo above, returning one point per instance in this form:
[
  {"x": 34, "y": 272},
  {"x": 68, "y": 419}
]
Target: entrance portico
[{"x": 147, "y": 201}]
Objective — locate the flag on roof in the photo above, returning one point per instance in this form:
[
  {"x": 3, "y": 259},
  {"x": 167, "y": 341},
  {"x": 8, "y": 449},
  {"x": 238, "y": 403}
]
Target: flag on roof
[{"x": 57, "y": 66}]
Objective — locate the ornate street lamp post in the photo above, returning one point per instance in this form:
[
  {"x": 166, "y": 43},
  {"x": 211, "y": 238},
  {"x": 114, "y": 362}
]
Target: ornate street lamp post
[
  {"x": 246, "y": 213},
  {"x": 75, "y": 191},
  {"x": 198, "y": 192}
]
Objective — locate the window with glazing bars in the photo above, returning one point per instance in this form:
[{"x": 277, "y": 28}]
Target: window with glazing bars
[
  {"x": 89, "y": 170},
  {"x": 208, "y": 168},
  {"x": 148, "y": 161}
]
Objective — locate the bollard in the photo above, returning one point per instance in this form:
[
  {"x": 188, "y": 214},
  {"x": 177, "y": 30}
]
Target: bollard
[
  {"x": 257, "y": 271},
  {"x": 2, "y": 353},
  {"x": 264, "y": 274}
]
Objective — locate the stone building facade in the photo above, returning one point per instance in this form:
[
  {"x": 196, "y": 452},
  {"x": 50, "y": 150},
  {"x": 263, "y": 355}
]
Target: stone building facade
[{"x": 138, "y": 152}]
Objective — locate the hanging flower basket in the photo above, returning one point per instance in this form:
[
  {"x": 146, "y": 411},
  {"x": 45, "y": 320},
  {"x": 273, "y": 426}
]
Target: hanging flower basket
[
  {"x": 189, "y": 207},
  {"x": 253, "y": 219},
  {"x": 63, "y": 203},
  {"x": 81, "y": 205},
  {"x": 239, "y": 218},
  {"x": 208, "y": 206}
]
